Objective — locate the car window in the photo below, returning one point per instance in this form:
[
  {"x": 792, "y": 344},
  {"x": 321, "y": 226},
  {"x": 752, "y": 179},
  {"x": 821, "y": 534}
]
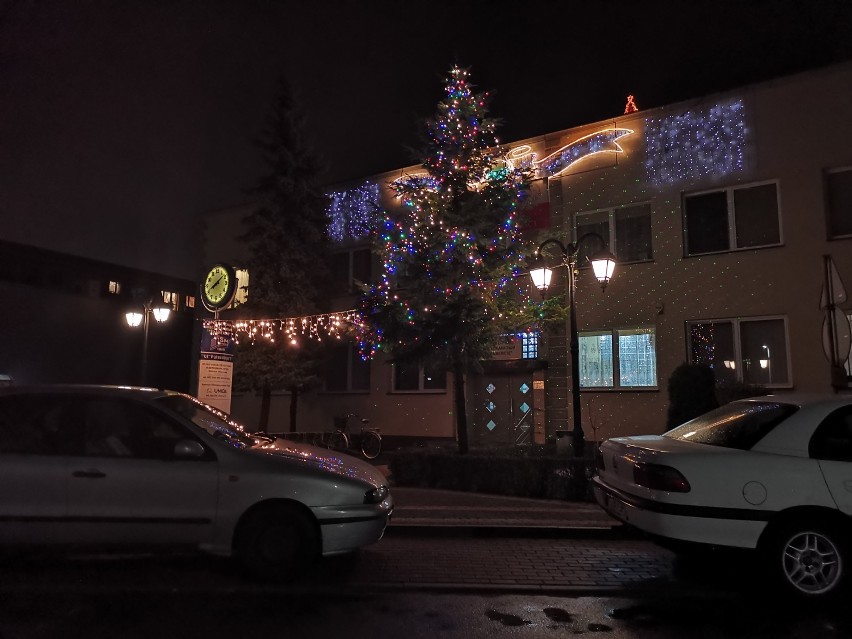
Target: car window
[
  {"x": 36, "y": 424},
  {"x": 122, "y": 428},
  {"x": 215, "y": 422},
  {"x": 735, "y": 425},
  {"x": 832, "y": 439}
]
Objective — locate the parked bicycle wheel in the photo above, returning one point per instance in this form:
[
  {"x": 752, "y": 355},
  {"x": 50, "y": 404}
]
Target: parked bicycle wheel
[
  {"x": 338, "y": 440},
  {"x": 371, "y": 444}
]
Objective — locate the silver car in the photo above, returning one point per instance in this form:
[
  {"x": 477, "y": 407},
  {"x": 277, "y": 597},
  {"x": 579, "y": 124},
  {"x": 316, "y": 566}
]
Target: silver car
[{"x": 118, "y": 466}]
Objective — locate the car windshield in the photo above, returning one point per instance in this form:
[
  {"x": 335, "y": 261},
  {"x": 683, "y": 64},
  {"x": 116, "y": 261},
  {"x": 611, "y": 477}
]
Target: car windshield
[
  {"x": 215, "y": 422},
  {"x": 735, "y": 425}
]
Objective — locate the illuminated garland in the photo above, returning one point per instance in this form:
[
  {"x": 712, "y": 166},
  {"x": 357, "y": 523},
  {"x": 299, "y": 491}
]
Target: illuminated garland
[{"x": 316, "y": 327}]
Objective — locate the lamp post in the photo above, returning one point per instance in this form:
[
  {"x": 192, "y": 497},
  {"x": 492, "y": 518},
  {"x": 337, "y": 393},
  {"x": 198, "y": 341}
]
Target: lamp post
[
  {"x": 603, "y": 265},
  {"x": 135, "y": 318}
]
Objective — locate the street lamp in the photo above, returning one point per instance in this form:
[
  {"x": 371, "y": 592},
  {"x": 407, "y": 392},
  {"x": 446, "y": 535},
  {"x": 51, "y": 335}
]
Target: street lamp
[
  {"x": 135, "y": 318},
  {"x": 603, "y": 264}
]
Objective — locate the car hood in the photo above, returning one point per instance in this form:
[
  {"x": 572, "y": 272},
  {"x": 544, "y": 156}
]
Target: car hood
[{"x": 324, "y": 459}]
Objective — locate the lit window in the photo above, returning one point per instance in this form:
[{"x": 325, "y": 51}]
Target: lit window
[
  {"x": 626, "y": 231},
  {"x": 751, "y": 351},
  {"x": 114, "y": 288},
  {"x": 415, "y": 377},
  {"x": 729, "y": 219},
  {"x": 190, "y": 301},
  {"x": 529, "y": 345},
  {"x": 838, "y": 184},
  {"x": 619, "y": 358}
]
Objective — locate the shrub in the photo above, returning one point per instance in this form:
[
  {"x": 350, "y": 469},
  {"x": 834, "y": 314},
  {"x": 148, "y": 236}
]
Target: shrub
[{"x": 692, "y": 392}]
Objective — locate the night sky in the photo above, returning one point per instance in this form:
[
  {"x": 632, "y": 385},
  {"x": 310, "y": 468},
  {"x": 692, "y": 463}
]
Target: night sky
[{"x": 121, "y": 123}]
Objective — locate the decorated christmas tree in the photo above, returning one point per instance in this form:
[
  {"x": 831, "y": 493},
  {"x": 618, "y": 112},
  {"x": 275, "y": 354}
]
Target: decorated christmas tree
[{"x": 451, "y": 254}]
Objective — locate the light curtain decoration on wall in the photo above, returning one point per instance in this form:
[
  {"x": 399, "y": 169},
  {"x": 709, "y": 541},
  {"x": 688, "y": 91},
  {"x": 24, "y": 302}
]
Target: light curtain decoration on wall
[
  {"x": 696, "y": 144},
  {"x": 353, "y": 213}
]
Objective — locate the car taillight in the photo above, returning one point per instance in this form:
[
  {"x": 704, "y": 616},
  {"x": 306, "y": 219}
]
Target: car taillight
[{"x": 659, "y": 477}]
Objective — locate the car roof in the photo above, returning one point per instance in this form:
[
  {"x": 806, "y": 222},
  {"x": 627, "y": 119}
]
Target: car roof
[{"x": 106, "y": 390}]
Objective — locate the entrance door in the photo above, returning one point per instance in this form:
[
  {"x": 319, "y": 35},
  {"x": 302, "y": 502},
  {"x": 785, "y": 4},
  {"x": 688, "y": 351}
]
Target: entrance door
[{"x": 501, "y": 408}]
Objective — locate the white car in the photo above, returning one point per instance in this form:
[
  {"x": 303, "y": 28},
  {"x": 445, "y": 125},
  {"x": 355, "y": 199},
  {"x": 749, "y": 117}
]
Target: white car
[
  {"x": 772, "y": 473},
  {"x": 117, "y": 466}
]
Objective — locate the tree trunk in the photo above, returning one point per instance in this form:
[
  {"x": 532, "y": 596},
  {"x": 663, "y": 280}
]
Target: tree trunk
[
  {"x": 294, "y": 404},
  {"x": 265, "y": 401},
  {"x": 461, "y": 408}
]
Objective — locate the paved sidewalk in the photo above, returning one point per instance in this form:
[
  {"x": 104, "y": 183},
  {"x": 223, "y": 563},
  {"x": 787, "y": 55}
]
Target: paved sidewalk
[{"x": 429, "y": 507}]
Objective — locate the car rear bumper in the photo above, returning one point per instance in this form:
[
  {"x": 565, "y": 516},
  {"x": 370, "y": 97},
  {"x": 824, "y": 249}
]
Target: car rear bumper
[{"x": 717, "y": 526}]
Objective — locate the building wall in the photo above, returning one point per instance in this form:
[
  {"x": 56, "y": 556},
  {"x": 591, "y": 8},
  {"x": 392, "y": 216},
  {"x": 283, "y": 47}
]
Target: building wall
[{"x": 795, "y": 129}]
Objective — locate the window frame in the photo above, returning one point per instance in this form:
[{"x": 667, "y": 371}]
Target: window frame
[
  {"x": 351, "y": 357},
  {"x": 616, "y": 359},
  {"x": 421, "y": 377},
  {"x": 348, "y": 286},
  {"x": 737, "y": 344},
  {"x": 828, "y": 230},
  {"x": 611, "y": 240},
  {"x": 730, "y": 192}
]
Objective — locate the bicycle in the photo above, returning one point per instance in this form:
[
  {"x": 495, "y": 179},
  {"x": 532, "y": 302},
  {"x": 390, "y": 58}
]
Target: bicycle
[{"x": 370, "y": 438}]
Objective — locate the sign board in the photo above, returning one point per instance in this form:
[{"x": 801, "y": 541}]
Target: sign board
[
  {"x": 507, "y": 350},
  {"x": 216, "y": 370}
]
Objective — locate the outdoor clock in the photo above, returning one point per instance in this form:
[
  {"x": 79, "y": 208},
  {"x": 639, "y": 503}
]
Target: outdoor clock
[{"x": 219, "y": 286}]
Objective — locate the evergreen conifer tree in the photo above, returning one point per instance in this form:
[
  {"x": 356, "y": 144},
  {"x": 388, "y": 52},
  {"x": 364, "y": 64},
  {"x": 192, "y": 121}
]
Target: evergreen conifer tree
[
  {"x": 451, "y": 256},
  {"x": 288, "y": 260}
]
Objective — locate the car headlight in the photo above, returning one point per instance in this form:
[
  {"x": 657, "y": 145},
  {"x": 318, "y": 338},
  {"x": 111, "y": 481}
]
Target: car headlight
[{"x": 376, "y": 495}]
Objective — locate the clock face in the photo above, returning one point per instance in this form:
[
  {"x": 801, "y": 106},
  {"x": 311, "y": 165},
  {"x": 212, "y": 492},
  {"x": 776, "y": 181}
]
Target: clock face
[{"x": 218, "y": 286}]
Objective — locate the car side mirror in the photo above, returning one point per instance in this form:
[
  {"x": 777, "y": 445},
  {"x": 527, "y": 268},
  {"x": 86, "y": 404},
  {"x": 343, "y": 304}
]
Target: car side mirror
[{"x": 189, "y": 448}]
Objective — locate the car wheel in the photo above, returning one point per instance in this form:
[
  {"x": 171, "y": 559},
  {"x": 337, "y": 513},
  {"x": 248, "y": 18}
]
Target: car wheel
[
  {"x": 277, "y": 544},
  {"x": 809, "y": 558}
]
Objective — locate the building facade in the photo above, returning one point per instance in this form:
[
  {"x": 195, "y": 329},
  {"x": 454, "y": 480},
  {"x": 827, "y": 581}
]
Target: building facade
[
  {"x": 63, "y": 321},
  {"x": 730, "y": 216}
]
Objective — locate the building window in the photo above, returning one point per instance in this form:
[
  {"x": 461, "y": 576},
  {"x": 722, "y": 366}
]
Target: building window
[
  {"x": 838, "y": 186},
  {"x": 172, "y": 299},
  {"x": 625, "y": 229},
  {"x": 346, "y": 371},
  {"x": 190, "y": 301},
  {"x": 619, "y": 358},
  {"x": 751, "y": 351},
  {"x": 410, "y": 377},
  {"x": 114, "y": 287},
  {"x": 733, "y": 218},
  {"x": 350, "y": 267},
  {"x": 529, "y": 345}
]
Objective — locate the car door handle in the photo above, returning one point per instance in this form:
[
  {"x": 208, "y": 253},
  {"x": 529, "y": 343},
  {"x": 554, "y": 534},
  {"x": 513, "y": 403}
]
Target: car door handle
[{"x": 89, "y": 474}]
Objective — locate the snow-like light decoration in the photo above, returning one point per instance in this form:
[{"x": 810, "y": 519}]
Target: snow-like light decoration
[
  {"x": 289, "y": 329},
  {"x": 353, "y": 213},
  {"x": 696, "y": 144}
]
